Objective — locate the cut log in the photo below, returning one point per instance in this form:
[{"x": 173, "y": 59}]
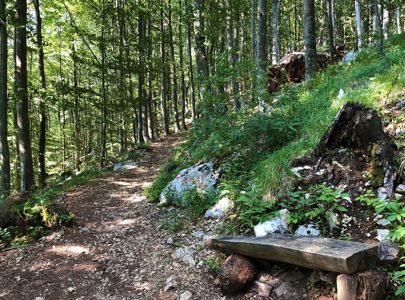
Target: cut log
[
  {"x": 372, "y": 285},
  {"x": 309, "y": 252},
  {"x": 346, "y": 287}
]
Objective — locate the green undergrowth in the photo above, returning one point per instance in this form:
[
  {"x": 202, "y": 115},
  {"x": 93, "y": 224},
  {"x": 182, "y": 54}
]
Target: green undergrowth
[{"x": 254, "y": 151}]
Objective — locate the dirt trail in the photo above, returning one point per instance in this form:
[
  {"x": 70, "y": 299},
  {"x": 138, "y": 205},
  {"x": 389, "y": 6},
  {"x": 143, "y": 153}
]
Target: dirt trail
[{"x": 115, "y": 251}]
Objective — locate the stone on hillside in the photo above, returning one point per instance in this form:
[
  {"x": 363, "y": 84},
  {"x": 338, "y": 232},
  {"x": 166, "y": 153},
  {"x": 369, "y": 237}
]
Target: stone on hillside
[
  {"x": 388, "y": 251},
  {"x": 186, "y": 255},
  {"x": 201, "y": 177},
  {"x": 187, "y": 295},
  {"x": 350, "y": 56},
  {"x": 262, "y": 289},
  {"x": 170, "y": 283},
  {"x": 382, "y": 234},
  {"x": 125, "y": 165},
  {"x": 341, "y": 94},
  {"x": 308, "y": 230},
  {"x": 400, "y": 188},
  {"x": 6, "y": 216},
  {"x": 236, "y": 273},
  {"x": 278, "y": 224},
  {"x": 220, "y": 209}
]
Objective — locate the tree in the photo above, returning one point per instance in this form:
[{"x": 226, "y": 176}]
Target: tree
[
  {"x": 5, "y": 155},
  {"x": 331, "y": 30},
  {"x": 377, "y": 28},
  {"x": 261, "y": 56},
  {"x": 359, "y": 24},
  {"x": 42, "y": 96},
  {"x": 309, "y": 39},
  {"x": 276, "y": 31},
  {"x": 21, "y": 91}
]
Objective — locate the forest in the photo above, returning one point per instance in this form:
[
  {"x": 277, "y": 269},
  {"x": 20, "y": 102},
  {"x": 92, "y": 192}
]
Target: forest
[{"x": 248, "y": 90}]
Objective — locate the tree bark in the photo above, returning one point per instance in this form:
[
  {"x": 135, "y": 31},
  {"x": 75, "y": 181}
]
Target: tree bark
[
  {"x": 331, "y": 30},
  {"x": 163, "y": 92},
  {"x": 190, "y": 62},
  {"x": 359, "y": 24},
  {"x": 398, "y": 19},
  {"x": 377, "y": 26},
  {"x": 76, "y": 108},
  {"x": 181, "y": 61},
  {"x": 174, "y": 73},
  {"x": 23, "y": 122},
  {"x": 261, "y": 56},
  {"x": 309, "y": 39},
  {"x": 141, "y": 78},
  {"x": 42, "y": 96},
  {"x": 103, "y": 91},
  {"x": 386, "y": 21},
  {"x": 276, "y": 31},
  {"x": 5, "y": 155}
]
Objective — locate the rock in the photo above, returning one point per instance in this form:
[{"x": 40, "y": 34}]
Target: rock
[
  {"x": 39, "y": 298},
  {"x": 308, "y": 230},
  {"x": 71, "y": 289},
  {"x": 332, "y": 219},
  {"x": 170, "y": 241},
  {"x": 285, "y": 291},
  {"x": 262, "y": 288},
  {"x": 382, "y": 193},
  {"x": 341, "y": 94},
  {"x": 66, "y": 175},
  {"x": 383, "y": 222},
  {"x": 382, "y": 234},
  {"x": 201, "y": 176},
  {"x": 388, "y": 251},
  {"x": 278, "y": 224},
  {"x": 186, "y": 296},
  {"x": 125, "y": 165},
  {"x": 297, "y": 170},
  {"x": 236, "y": 273},
  {"x": 170, "y": 283},
  {"x": 186, "y": 255},
  {"x": 400, "y": 188},
  {"x": 220, "y": 209},
  {"x": 198, "y": 234},
  {"x": 350, "y": 56}
]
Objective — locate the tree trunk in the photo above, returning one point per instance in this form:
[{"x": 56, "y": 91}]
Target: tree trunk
[
  {"x": 331, "y": 30},
  {"x": 174, "y": 73},
  {"x": 309, "y": 39},
  {"x": 141, "y": 79},
  {"x": 104, "y": 93},
  {"x": 386, "y": 22},
  {"x": 5, "y": 155},
  {"x": 398, "y": 19},
  {"x": 190, "y": 62},
  {"x": 23, "y": 122},
  {"x": 232, "y": 56},
  {"x": 121, "y": 28},
  {"x": 378, "y": 34},
  {"x": 151, "y": 115},
  {"x": 163, "y": 93},
  {"x": 261, "y": 56},
  {"x": 42, "y": 96},
  {"x": 276, "y": 31},
  {"x": 181, "y": 60},
  {"x": 76, "y": 108},
  {"x": 359, "y": 24}
]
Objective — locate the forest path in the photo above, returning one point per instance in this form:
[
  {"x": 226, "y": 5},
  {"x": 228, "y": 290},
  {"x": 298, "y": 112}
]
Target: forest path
[{"x": 115, "y": 251}]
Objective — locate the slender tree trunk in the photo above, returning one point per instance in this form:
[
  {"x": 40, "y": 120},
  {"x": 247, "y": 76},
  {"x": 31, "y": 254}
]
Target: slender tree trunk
[
  {"x": 232, "y": 56},
  {"x": 378, "y": 33},
  {"x": 42, "y": 108},
  {"x": 141, "y": 79},
  {"x": 23, "y": 122},
  {"x": 359, "y": 24},
  {"x": 174, "y": 73},
  {"x": 104, "y": 92},
  {"x": 276, "y": 31},
  {"x": 181, "y": 60},
  {"x": 386, "y": 21},
  {"x": 261, "y": 56},
  {"x": 200, "y": 39},
  {"x": 190, "y": 61},
  {"x": 5, "y": 155},
  {"x": 76, "y": 108},
  {"x": 309, "y": 39},
  {"x": 331, "y": 30},
  {"x": 151, "y": 115},
  {"x": 163, "y": 92},
  {"x": 253, "y": 13},
  {"x": 121, "y": 28},
  {"x": 398, "y": 19}
]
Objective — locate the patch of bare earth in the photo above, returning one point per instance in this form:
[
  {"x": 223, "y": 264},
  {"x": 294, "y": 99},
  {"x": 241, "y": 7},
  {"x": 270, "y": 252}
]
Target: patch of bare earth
[{"x": 115, "y": 251}]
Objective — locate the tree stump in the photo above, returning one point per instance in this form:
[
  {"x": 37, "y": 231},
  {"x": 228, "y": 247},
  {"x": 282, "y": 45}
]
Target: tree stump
[
  {"x": 372, "y": 285},
  {"x": 346, "y": 287}
]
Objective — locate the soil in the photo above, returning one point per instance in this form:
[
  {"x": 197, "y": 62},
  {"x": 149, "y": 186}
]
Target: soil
[{"x": 115, "y": 251}]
